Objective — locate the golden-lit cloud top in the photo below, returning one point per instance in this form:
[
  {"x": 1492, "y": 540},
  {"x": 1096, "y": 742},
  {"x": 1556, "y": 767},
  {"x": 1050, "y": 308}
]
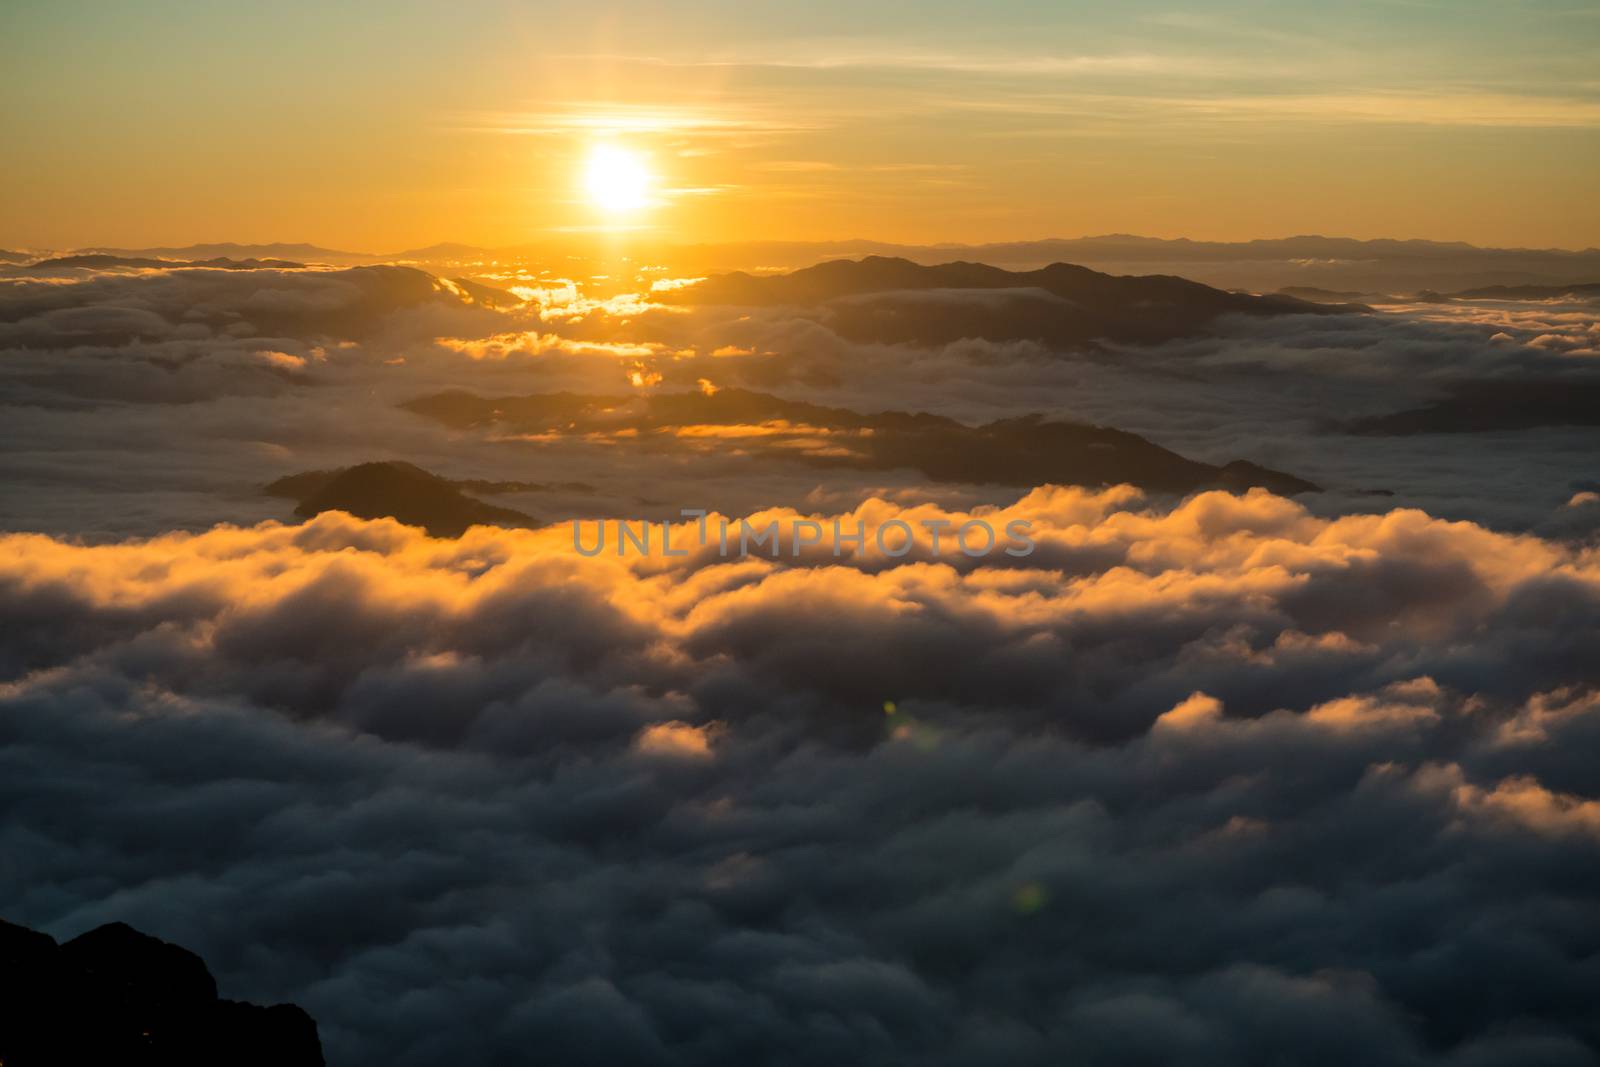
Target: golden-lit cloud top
[{"x": 1200, "y": 725}]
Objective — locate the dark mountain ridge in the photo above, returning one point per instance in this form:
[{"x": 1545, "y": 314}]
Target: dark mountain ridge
[
  {"x": 893, "y": 300},
  {"x": 1027, "y": 451},
  {"x": 839, "y": 278},
  {"x": 400, "y": 491},
  {"x": 1492, "y": 406},
  {"x": 1382, "y": 265}
]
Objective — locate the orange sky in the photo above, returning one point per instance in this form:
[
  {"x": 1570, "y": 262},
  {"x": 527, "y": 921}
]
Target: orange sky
[{"x": 385, "y": 127}]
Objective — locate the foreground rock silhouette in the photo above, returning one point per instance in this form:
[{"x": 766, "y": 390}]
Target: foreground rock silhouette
[{"x": 115, "y": 995}]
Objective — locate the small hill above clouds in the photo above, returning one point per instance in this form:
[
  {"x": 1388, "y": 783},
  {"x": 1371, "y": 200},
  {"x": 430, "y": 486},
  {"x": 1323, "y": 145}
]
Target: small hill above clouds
[
  {"x": 894, "y": 300},
  {"x": 1315, "y": 295},
  {"x": 487, "y": 295},
  {"x": 1026, "y": 451},
  {"x": 1492, "y": 407},
  {"x": 400, "y": 491},
  {"x": 115, "y": 995}
]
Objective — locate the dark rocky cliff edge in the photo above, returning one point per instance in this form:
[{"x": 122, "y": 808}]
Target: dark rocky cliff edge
[{"x": 114, "y": 995}]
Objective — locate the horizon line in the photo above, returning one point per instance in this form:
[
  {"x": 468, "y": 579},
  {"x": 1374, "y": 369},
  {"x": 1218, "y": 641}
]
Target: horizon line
[{"x": 679, "y": 243}]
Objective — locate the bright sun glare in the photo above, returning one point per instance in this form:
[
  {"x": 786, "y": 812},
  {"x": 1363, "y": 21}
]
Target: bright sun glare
[{"x": 616, "y": 179}]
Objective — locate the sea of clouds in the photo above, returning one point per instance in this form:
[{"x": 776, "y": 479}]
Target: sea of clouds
[{"x": 1229, "y": 779}]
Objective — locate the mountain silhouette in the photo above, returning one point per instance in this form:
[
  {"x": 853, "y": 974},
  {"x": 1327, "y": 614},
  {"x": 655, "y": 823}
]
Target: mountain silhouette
[
  {"x": 103, "y": 261},
  {"x": 1492, "y": 406},
  {"x": 394, "y": 490},
  {"x": 305, "y": 253},
  {"x": 115, "y": 995},
  {"x": 1315, "y": 295},
  {"x": 1586, "y": 291},
  {"x": 1027, "y": 451},
  {"x": 890, "y": 300}
]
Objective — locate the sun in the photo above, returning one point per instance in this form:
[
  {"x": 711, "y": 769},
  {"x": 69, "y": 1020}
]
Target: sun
[{"x": 616, "y": 179}]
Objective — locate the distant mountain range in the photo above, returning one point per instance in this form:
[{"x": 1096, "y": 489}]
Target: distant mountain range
[
  {"x": 1342, "y": 263},
  {"x": 1590, "y": 291},
  {"x": 106, "y": 261},
  {"x": 304, "y": 253}
]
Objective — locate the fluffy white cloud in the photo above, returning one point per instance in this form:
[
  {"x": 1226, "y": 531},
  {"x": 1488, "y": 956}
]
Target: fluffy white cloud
[
  {"x": 1234, "y": 779},
  {"x": 1220, "y": 782}
]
